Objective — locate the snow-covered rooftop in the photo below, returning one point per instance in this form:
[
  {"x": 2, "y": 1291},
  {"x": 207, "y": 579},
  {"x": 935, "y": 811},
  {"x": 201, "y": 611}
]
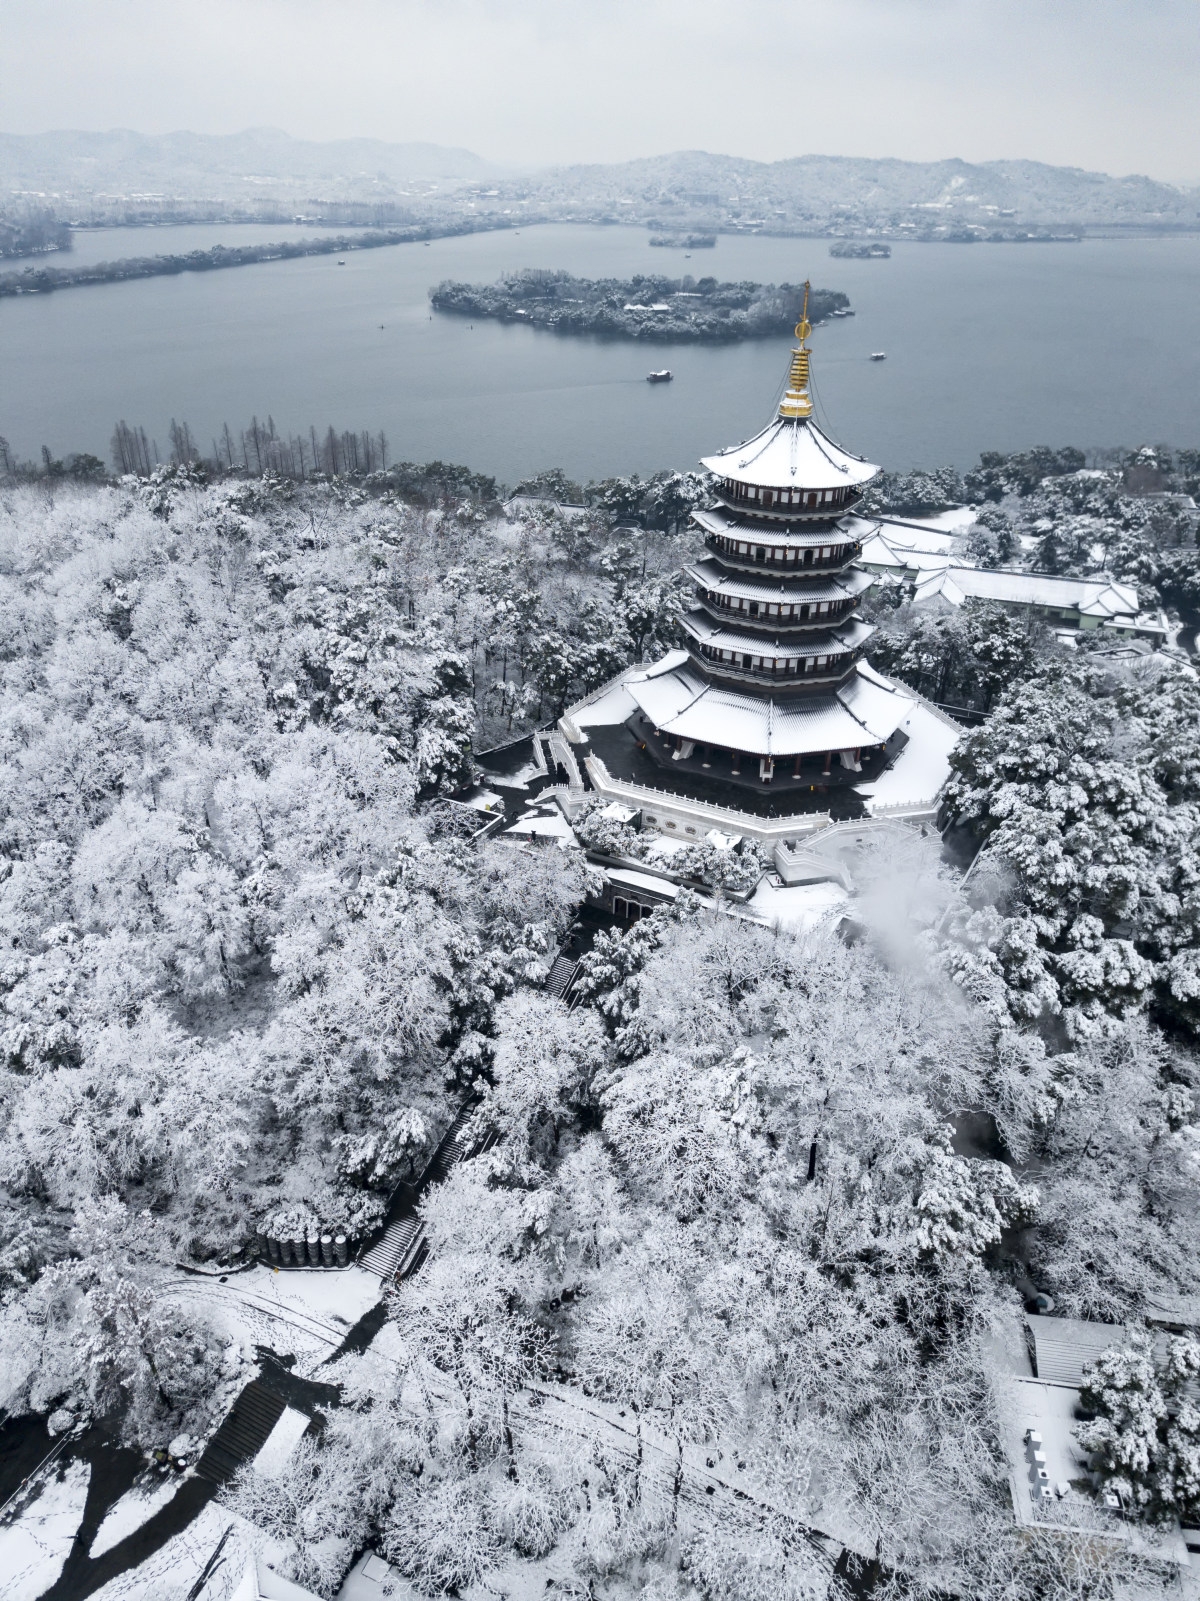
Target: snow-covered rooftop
[
  {"x": 547, "y": 825},
  {"x": 801, "y": 589},
  {"x": 866, "y": 710},
  {"x": 766, "y": 531},
  {"x": 632, "y": 879},
  {"x": 903, "y": 547},
  {"x": 791, "y": 452},
  {"x": 1101, "y": 597},
  {"x": 915, "y": 778},
  {"x": 613, "y": 704},
  {"x": 1064, "y": 1346},
  {"x": 618, "y": 813},
  {"x": 833, "y": 641}
]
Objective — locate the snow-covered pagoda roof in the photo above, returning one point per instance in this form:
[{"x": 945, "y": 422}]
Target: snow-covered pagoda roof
[
  {"x": 740, "y": 525},
  {"x": 866, "y": 710},
  {"x": 826, "y": 642},
  {"x": 791, "y": 452},
  {"x": 765, "y": 586}
]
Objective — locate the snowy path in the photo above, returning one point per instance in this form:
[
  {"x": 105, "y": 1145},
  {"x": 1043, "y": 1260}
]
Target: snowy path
[
  {"x": 35, "y": 1541},
  {"x": 134, "y": 1508},
  {"x": 307, "y": 1315},
  {"x": 173, "y": 1569}
]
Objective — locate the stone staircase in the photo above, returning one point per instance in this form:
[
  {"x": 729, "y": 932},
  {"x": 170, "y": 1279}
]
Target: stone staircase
[
  {"x": 561, "y": 976},
  {"x": 243, "y": 1433},
  {"x": 395, "y": 1252},
  {"x": 401, "y": 1248}
]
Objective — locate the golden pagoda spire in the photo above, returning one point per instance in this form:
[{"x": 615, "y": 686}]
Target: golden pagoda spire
[{"x": 797, "y": 402}]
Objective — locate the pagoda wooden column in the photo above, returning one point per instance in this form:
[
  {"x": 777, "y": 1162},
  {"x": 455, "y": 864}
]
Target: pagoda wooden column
[
  {"x": 796, "y": 768},
  {"x": 828, "y": 762}
]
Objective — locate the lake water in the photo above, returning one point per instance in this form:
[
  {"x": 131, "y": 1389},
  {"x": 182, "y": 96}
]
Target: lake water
[{"x": 988, "y": 347}]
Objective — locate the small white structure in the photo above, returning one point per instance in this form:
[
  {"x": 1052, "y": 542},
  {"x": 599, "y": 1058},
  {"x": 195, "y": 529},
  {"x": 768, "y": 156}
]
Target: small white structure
[
  {"x": 902, "y": 550},
  {"x": 260, "y": 1582},
  {"x": 373, "y": 1579}
]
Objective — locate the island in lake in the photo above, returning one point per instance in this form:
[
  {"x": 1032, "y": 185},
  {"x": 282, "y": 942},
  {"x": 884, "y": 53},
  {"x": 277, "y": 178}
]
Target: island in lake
[
  {"x": 684, "y": 241},
  {"x": 860, "y": 250},
  {"x": 642, "y": 307}
]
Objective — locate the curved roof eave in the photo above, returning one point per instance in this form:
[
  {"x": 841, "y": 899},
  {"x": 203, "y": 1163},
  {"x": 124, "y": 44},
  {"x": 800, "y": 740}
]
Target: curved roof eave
[{"x": 791, "y": 453}]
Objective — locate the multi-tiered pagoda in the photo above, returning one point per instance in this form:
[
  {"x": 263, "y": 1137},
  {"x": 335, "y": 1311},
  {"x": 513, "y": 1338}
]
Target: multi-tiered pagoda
[{"x": 774, "y": 688}]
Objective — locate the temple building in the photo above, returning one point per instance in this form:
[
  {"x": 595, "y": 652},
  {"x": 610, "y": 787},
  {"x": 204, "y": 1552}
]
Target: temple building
[
  {"x": 771, "y": 707},
  {"x": 774, "y": 686}
]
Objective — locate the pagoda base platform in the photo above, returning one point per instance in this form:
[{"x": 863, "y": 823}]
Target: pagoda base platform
[
  {"x": 635, "y": 755},
  {"x": 711, "y": 762}
]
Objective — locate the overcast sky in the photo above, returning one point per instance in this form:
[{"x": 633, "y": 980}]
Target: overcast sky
[{"x": 1107, "y": 84}]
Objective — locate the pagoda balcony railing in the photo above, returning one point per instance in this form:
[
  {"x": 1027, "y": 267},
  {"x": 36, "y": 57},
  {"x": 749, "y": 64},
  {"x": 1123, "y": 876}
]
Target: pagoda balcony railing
[
  {"x": 796, "y": 617},
  {"x": 781, "y": 559},
  {"x": 798, "y": 502},
  {"x": 800, "y": 671}
]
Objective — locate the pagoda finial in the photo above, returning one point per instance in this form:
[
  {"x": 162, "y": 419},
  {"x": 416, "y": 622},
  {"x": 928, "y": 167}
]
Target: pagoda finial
[{"x": 796, "y": 401}]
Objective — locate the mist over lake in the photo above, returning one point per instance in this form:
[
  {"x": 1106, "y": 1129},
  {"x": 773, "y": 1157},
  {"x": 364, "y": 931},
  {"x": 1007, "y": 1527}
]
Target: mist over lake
[{"x": 989, "y": 347}]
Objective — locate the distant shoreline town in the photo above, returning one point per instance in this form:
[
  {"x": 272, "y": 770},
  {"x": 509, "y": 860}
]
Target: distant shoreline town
[{"x": 51, "y": 184}]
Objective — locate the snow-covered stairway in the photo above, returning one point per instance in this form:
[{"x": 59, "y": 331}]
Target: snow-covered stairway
[
  {"x": 457, "y": 1145},
  {"x": 243, "y": 1434},
  {"x": 401, "y": 1246},
  {"x": 394, "y": 1251},
  {"x": 561, "y": 975}
]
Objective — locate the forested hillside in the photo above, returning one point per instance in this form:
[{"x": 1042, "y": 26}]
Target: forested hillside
[{"x": 735, "y": 1205}]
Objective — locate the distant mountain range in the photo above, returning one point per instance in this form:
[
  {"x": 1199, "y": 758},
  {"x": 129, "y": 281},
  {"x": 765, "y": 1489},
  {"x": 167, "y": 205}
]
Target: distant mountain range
[
  {"x": 262, "y": 161},
  {"x": 263, "y": 169},
  {"x": 856, "y": 189}
]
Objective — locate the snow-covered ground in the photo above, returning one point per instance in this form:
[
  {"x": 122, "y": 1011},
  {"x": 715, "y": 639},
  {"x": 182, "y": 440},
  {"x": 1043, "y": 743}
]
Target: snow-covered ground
[
  {"x": 35, "y": 1539},
  {"x": 172, "y": 1571},
  {"x": 484, "y": 800},
  {"x": 916, "y": 776},
  {"x": 797, "y": 906},
  {"x": 955, "y": 521},
  {"x": 135, "y": 1507},
  {"x": 525, "y": 776},
  {"x": 305, "y": 1313}
]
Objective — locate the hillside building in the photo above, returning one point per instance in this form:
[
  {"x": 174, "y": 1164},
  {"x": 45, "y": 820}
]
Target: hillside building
[{"x": 1061, "y": 601}]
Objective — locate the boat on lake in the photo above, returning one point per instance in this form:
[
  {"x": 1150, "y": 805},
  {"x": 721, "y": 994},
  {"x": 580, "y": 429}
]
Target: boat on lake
[
  {"x": 879, "y": 355},
  {"x": 663, "y": 377}
]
